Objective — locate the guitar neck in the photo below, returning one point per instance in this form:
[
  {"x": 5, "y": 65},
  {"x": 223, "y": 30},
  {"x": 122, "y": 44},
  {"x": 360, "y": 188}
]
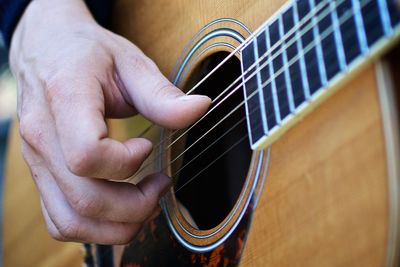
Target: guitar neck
[{"x": 306, "y": 51}]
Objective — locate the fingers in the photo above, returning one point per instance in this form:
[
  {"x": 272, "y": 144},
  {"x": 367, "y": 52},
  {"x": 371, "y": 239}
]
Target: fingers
[
  {"x": 51, "y": 228},
  {"x": 86, "y": 198},
  {"x": 153, "y": 95},
  {"x": 122, "y": 202},
  {"x": 78, "y": 103},
  {"x": 65, "y": 95},
  {"x": 119, "y": 202},
  {"x": 78, "y": 112},
  {"x": 66, "y": 224}
]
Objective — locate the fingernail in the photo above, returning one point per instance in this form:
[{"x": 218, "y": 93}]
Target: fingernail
[{"x": 194, "y": 97}]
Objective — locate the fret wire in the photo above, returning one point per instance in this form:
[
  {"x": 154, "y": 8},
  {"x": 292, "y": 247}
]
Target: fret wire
[
  {"x": 239, "y": 78},
  {"x": 304, "y": 77},
  {"x": 261, "y": 93},
  {"x": 288, "y": 82},
  {"x": 325, "y": 34},
  {"x": 246, "y": 104},
  {"x": 267, "y": 55},
  {"x": 271, "y": 80},
  {"x": 328, "y": 31},
  {"x": 384, "y": 25},
  {"x": 384, "y": 11},
  {"x": 308, "y": 48},
  {"x": 360, "y": 26},
  {"x": 271, "y": 74},
  {"x": 338, "y": 35},
  {"x": 294, "y": 30},
  {"x": 321, "y": 64},
  {"x": 345, "y": 17},
  {"x": 242, "y": 137}
]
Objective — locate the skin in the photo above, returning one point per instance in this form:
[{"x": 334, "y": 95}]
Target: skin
[{"x": 72, "y": 74}]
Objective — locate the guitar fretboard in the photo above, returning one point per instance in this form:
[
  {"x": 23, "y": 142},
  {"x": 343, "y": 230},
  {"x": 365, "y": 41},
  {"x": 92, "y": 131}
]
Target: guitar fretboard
[{"x": 303, "y": 51}]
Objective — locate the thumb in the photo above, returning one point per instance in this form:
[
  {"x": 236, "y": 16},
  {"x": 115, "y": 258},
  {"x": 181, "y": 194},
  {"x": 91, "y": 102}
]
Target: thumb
[{"x": 154, "y": 96}]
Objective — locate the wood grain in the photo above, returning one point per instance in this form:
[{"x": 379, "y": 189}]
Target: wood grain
[
  {"x": 26, "y": 240},
  {"x": 325, "y": 200},
  {"x": 325, "y": 197}
]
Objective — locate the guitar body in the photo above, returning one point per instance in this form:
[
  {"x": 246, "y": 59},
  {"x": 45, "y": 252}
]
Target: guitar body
[
  {"x": 326, "y": 197},
  {"x": 325, "y": 193}
]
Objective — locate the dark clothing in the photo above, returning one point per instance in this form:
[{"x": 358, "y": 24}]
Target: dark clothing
[{"x": 12, "y": 10}]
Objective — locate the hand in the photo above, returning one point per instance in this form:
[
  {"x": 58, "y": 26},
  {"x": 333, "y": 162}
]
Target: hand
[{"x": 72, "y": 74}]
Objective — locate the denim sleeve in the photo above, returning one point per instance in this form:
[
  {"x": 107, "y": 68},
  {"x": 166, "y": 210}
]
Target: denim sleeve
[{"x": 12, "y": 10}]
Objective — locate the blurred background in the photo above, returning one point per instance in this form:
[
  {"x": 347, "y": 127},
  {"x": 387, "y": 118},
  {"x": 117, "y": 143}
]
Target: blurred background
[
  {"x": 24, "y": 240},
  {"x": 7, "y": 103},
  {"x": 7, "y": 108}
]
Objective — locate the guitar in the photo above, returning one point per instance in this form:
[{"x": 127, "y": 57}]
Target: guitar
[{"x": 296, "y": 162}]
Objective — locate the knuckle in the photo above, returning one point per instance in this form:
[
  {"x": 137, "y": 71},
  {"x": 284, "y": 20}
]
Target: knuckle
[
  {"x": 55, "y": 234},
  {"x": 164, "y": 89},
  {"x": 126, "y": 239},
  {"x": 68, "y": 226},
  {"x": 31, "y": 132},
  {"x": 142, "y": 63},
  {"x": 80, "y": 160},
  {"x": 69, "y": 229},
  {"x": 54, "y": 88},
  {"x": 137, "y": 62},
  {"x": 57, "y": 88},
  {"x": 126, "y": 235},
  {"x": 25, "y": 127},
  {"x": 88, "y": 205}
]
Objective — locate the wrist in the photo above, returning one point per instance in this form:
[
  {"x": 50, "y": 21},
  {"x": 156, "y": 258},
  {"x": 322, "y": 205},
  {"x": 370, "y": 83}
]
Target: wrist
[
  {"x": 45, "y": 20},
  {"x": 45, "y": 10}
]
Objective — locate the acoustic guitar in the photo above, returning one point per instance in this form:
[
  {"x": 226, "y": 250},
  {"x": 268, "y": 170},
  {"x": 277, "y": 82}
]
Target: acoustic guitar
[{"x": 296, "y": 163}]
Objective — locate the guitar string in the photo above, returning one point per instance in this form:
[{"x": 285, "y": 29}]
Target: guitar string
[
  {"x": 270, "y": 60},
  {"x": 174, "y": 175},
  {"x": 211, "y": 163},
  {"x": 276, "y": 45},
  {"x": 215, "y": 141},
  {"x": 242, "y": 139},
  {"x": 328, "y": 31},
  {"x": 343, "y": 19},
  {"x": 241, "y": 104}
]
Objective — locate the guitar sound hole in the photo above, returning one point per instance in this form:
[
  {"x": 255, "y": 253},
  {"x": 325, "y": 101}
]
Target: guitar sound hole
[{"x": 212, "y": 172}]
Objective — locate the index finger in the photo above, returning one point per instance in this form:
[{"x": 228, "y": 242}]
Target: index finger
[{"x": 78, "y": 110}]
